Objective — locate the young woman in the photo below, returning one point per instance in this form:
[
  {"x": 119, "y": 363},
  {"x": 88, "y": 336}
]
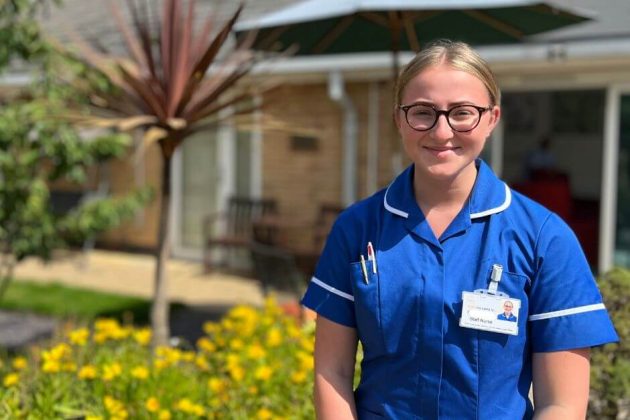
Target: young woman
[{"x": 419, "y": 273}]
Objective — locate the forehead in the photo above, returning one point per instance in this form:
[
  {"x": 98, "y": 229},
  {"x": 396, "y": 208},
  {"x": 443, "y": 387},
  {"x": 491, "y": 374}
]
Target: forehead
[{"x": 444, "y": 84}]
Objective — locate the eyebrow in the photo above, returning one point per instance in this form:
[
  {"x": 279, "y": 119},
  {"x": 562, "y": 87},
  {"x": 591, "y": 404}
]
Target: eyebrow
[{"x": 450, "y": 105}]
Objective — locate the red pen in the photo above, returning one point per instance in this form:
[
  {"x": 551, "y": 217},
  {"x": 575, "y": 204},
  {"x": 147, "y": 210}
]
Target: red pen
[{"x": 371, "y": 256}]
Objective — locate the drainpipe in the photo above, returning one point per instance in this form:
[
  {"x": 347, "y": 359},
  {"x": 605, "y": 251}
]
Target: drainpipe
[{"x": 336, "y": 92}]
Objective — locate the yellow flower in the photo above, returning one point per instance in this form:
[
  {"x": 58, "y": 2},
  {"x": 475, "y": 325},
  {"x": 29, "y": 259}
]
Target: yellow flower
[
  {"x": 11, "y": 379},
  {"x": 256, "y": 351},
  {"x": 306, "y": 361},
  {"x": 202, "y": 363},
  {"x": 106, "y": 324},
  {"x": 274, "y": 337},
  {"x": 264, "y": 414},
  {"x": 87, "y": 372},
  {"x": 237, "y": 373},
  {"x": 210, "y": 327},
  {"x": 293, "y": 331},
  {"x": 206, "y": 345},
  {"x": 79, "y": 336},
  {"x": 307, "y": 344},
  {"x": 57, "y": 353},
  {"x": 187, "y": 356},
  {"x": 236, "y": 344},
  {"x": 263, "y": 373},
  {"x": 189, "y": 407},
  {"x": 298, "y": 377},
  {"x": 216, "y": 385},
  {"x": 91, "y": 417},
  {"x": 164, "y": 415},
  {"x": 115, "y": 408},
  {"x": 20, "y": 363},
  {"x": 152, "y": 405},
  {"x": 51, "y": 366},
  {"x": 111, "y": 371},
  {"x": 142, "y": 336},
  {"x": 106, "y": 328},
  {"x": 140, "y": 372},
  {"x": 252, "y": 390},
  {"x": 160, "y": 364}
]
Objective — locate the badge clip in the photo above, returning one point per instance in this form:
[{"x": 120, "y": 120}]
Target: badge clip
[{"x": 495, "y": 279}]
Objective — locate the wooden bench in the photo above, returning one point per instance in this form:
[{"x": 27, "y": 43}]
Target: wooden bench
[{"x": 232, "y": 230}]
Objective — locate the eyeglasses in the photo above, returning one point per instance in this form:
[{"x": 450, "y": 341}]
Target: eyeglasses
[{"x": 461, "y": 118}]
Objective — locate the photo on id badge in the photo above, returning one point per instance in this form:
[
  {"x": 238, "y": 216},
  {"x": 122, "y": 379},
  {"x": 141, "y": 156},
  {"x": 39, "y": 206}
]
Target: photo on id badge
[{"x": 487, "y": 312}]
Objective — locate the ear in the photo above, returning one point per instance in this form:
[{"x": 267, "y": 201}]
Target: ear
[
  {"x": 396, "y": 115},
  {"x": 495, "y": 116}
]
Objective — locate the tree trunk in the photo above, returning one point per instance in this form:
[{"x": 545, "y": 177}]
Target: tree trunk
[
  {"x": 6, "y": 273},
  {"x": 160, "y": 307}
]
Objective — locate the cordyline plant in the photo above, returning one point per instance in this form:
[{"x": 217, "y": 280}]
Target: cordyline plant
[{"x": 165, "y": 88}]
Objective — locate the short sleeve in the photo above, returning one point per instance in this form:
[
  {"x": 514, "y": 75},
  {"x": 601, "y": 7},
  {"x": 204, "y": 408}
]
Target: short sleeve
[
  {"x": 566, "y": 308},
  {"x": 330, "y": 292}
]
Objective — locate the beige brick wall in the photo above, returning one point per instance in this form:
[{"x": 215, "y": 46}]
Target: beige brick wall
[
  {"x": 302, "y": 180},
  {"x": 140, "y": 232}
]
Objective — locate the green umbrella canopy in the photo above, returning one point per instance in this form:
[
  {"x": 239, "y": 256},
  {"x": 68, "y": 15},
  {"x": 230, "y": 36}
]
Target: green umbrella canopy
[{"x": 349, "y": 26}]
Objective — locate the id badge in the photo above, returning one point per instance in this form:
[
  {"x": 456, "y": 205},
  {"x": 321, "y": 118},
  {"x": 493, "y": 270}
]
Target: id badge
[{"x": 490, "y": 312}]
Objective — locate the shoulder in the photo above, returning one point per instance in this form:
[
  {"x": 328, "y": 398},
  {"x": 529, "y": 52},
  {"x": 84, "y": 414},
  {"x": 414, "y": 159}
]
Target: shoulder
[
  {"x": 362, "y": 213},
  {"x": 533, "y": 217}
]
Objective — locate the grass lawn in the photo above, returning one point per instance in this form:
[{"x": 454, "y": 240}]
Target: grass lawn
[{"x": 57, "y": 300}]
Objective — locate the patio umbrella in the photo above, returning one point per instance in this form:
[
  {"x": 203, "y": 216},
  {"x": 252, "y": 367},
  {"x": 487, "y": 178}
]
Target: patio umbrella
[
  {"x": 321, "y": 27},
  {"x": 350, "y": 26}
]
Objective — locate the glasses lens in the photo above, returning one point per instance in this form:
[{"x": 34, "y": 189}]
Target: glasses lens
[
  {"x": 421, "y": 117},
  {"x": 463, "y": 118}
]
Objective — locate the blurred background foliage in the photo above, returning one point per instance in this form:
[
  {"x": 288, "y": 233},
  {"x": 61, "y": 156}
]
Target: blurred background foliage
[
  {"x": 39, "y": 148},
  {"x": 610, "y": 364}
]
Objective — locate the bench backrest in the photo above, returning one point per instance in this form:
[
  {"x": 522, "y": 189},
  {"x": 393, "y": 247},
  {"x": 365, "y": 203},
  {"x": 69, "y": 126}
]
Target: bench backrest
[{"x": 243, "y": 211}]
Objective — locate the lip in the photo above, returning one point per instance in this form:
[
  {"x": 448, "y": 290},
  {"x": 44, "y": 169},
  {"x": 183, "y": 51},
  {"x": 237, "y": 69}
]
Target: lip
[{"x": 441, "y": 152}]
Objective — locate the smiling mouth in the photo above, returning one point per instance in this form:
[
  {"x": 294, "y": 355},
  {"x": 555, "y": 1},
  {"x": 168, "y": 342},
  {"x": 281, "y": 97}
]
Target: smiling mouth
[{"x": 441, "y": 149}]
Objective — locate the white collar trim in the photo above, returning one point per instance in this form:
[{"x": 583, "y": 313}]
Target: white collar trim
[
  {"x": 505, "y": 205},
  {"x": 392, "y": 209}
]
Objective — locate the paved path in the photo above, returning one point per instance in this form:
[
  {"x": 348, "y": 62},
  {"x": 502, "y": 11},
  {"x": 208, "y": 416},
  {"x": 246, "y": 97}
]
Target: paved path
[{"x": 132, "y": 274}]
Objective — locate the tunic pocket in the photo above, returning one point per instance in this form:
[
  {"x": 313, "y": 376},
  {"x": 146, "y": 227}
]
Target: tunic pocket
[{"x": 366, "y": 306}]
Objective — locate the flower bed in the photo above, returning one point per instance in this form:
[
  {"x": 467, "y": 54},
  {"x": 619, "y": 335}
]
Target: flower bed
[{"x": 254, "y": 363}]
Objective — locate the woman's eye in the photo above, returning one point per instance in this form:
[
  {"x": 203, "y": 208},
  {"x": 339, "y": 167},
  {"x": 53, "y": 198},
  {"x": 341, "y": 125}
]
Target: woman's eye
[{"x": 421, "y": 112}]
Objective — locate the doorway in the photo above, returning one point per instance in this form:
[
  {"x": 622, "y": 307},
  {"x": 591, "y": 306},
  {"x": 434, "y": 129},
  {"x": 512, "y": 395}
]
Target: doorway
[{"x": 552, "y": 152}]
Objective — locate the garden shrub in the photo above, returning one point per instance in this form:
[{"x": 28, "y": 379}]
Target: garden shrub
[
  {"x": 610, "y": 364},
  {"x": 254, "y": 363}
]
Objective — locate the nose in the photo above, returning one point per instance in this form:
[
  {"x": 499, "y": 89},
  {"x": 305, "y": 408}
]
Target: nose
[{"x": 442, "y": 130}]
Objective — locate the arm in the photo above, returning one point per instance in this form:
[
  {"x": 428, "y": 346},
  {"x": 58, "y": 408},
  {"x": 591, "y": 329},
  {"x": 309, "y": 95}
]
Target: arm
[
  {"x": 335, "y": 352},
  {"x": 561, "y": 384}
]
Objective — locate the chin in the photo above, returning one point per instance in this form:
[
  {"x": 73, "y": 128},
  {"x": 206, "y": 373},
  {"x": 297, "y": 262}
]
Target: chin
[{"x": 444, "y": 171}]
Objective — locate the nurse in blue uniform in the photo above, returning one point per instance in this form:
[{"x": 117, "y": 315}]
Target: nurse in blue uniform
[{"x": 419, "y": 273}]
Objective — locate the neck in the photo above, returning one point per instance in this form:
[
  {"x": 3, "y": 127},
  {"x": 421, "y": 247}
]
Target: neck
[{"x": 440, "y": 193}]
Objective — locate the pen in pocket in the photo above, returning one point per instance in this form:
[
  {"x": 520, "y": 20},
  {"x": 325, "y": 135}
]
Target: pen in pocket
[
  {"x": 364, "y": 270},
  {"x": 371, "y": 256}
]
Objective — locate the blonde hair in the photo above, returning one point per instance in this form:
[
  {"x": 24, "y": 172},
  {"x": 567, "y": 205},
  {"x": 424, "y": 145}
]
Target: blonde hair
[{"x": 459, "y": 56}]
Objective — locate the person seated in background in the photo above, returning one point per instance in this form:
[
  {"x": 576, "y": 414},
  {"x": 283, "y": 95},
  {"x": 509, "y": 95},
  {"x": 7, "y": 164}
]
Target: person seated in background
[{"x": 540, "y": 162}]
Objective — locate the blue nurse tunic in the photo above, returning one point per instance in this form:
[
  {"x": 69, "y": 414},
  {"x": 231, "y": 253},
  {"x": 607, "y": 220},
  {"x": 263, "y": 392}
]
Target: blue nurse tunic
[{"x": 418, "y": 362}]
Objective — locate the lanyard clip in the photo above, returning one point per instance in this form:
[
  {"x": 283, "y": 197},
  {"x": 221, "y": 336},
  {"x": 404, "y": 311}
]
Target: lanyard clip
[{"x": 495, "y": 278}]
